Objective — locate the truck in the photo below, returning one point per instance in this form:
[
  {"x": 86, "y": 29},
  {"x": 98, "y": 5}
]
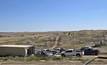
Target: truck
[
  {"x": 71, "y": 52},
  {"x": 90, "y": 51}
]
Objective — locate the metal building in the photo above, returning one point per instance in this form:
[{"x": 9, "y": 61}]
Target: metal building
[{"x": 17, "y": 50}]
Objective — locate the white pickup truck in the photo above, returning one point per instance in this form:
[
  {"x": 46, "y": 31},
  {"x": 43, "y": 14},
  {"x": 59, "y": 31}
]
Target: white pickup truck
[{"x": 71, "y": 52}]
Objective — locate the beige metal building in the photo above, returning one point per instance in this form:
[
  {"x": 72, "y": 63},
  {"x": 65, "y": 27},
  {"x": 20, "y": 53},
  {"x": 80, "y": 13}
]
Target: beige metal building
[{"x": 17, "y": 50}]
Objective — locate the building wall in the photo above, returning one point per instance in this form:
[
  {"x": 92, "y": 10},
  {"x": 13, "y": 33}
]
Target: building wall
[{"x": 5, "y": 51}]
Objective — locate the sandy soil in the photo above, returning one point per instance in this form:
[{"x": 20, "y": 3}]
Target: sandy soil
[{"x": 47, "y": 63}]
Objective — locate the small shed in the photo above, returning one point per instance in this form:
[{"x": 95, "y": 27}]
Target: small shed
[{"x": 17, "y": 50}]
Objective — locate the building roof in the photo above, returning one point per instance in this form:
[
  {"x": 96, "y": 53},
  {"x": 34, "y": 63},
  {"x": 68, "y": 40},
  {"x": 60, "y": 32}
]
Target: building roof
[{"x": 21, "y": 46}]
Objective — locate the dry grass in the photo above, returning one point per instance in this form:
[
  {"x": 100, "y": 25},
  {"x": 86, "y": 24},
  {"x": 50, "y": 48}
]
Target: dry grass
[{"x": 73, "y": 39}]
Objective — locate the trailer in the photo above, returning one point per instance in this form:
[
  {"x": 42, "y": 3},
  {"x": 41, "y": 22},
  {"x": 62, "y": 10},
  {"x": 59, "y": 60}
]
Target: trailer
[{"x": 17, "y": 50}]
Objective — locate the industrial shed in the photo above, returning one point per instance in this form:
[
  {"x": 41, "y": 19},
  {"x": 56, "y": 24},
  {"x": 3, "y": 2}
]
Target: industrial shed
[{"x": 17, "y": 50}]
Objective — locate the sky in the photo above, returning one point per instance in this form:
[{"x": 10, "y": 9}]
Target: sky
[{"x": 52, "y": 15}]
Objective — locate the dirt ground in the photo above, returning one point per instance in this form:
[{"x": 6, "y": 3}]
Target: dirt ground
[
  {"x": 66, "y": 62},
  {"x": 47, "y": 63}
]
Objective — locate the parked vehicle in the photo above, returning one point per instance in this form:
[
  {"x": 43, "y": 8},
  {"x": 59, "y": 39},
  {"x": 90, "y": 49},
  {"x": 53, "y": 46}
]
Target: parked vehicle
[
  {"x": 47, "y": 52},
  {"x": 85, "y": 47},
  {"x": 58, "y": 50},
  {"x": 71, "y": 52},
  {"x": 90, "y": 51}
]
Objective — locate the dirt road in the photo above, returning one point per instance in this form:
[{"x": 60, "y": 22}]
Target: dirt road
[{"x": 47, "y": 63}]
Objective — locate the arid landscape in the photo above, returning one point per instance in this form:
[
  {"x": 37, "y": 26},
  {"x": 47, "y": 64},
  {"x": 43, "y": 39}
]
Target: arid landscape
[
  {"x": 53, "y": 32},
  {"x": 67, "y": 39},
  {"x": 51, "y": 40}
]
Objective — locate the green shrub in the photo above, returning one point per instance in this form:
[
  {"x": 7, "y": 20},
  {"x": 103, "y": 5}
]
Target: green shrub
[
  {"x": 84, "y": 60},
  {"x": 57, "y": 58},
  {"x": 99, "y": 60},
  {"x": 44, "y": 58},
  {"x": 19, "y": 59},
  {"x": 39, "y": 41},
  {"x": 3, "y": 58},
  {"x": 32, "y": 58}
]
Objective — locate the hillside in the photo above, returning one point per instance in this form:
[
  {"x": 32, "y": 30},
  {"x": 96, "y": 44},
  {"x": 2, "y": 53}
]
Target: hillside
[{"x": 67, "y": 39}]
